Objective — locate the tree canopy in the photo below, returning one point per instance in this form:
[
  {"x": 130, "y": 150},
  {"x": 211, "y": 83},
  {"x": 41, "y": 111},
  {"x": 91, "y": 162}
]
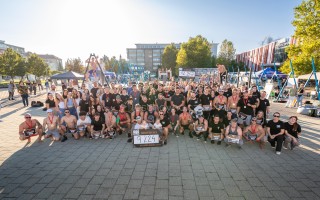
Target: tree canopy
[
  {"x": 12, "y": 64},
  {"x": 37, "y": 66},
  {"x": 227, "y": 53},
  {"x": 307, "y": 33},
  {"x": 196, "y": 53},
  {"x": 169, "y": 57},
  {"x": 75, "y": 64}
]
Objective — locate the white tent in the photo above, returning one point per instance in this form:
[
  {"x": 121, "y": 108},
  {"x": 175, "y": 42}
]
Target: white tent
[{"x": 306, "y": 76}]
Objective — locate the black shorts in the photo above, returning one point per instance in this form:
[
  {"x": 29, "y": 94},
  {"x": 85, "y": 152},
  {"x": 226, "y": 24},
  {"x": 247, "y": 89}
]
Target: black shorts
[{"x": 185, "y": 126}]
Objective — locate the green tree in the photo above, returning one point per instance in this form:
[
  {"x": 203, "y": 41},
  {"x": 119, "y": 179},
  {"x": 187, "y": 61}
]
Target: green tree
[
  {"x": 195, "y": 53},
  {"x": 36, "y": 65},
  {"x": 12, "y": 64},
  {"x": 226, "y": 53},
  {"x": 169, "y": 57},
  {"x": 307, "y": 31},
  {"x": 75, "y": 64}
]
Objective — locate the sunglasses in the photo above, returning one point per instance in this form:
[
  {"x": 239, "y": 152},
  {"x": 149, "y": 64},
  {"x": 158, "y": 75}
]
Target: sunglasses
[
  {"x": 160, "y": 114},
  {"x": 276, "y": 115},
  {"x": 66, "y": 112},
  {"x": 28, "y": 117}
]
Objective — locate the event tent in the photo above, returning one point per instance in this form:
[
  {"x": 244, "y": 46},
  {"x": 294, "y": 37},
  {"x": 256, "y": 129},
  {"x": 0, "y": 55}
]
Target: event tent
[
  {"x": 269, "y": 72},
  {"x": 68, "y": 75},
  {"x": 306, "y": 76}
]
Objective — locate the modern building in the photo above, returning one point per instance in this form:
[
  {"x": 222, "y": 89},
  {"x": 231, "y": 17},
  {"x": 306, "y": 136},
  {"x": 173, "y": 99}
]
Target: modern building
[
  {"x": 150, "y": 55},
  {"x": 4, "y": 46},
  {"x": 268, "y": 54},
  {"x": 53, "y": 61}
]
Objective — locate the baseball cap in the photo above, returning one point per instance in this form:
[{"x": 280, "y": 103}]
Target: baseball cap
[
  {"x": 49, "y": 110},
  {"x": 27, "y": 114}
]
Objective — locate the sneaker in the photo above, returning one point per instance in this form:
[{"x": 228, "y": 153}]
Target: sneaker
[
  {"x": 120, "y": 132},
  {"x": 198, "y": 138},
  {"x": 190, "y": 135},
  {"x": 205, "y": 141},
  {"x": 285, "y": 146},
  {"x": 90, "y": 137},
  {"x": 219, "y": 143},
  {"x": 165, "y": 142},
  {"x": 212, "y": 141},
  {"x": 273, "y": 147},
  {"x": 177, "y": 135},
  {"x": 129, "y": 140},
  {"x": 278, "y": 152},
  {"x": 64, "y": 138}
]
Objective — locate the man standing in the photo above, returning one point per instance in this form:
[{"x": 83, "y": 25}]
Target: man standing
[
  {"x": 23, "y": 91},
  {"x": 11, "y": 88},
  {"x": 264, "y": 104},
  {"x": 177, "y": 101},
  {"x": 30, "y": 127}
]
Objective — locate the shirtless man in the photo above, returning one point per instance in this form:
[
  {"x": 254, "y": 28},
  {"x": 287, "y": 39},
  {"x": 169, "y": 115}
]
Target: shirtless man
[
  {"x": 51, "y": 122},
  {"x": 185, "y": 121},
  {"x": 68, "y": 124},
  {"x": 233, "y": 102},
  {"x": 220, "y": 103},
  {"x": 30, "y": 127},
  {"x": 254, "y": 132},
  {"x": 110, "y": 122}
]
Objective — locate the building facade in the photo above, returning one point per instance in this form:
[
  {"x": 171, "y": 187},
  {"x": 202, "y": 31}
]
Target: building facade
[
  {"x": 150, "y": 55},
  {"x": 4, "y": 46},
  {"x": 273, "y": 52},
  {"x": 53, "y": 61}
]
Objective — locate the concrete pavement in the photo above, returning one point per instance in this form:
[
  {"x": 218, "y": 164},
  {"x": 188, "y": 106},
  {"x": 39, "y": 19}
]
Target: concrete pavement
[{"x": 183, "y": 169}]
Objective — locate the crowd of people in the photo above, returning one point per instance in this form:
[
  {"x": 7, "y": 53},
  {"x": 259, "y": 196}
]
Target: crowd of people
[{"x": 205, "y": 110}]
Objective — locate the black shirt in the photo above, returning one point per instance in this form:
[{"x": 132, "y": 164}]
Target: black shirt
[
  {"x": 164, "y": 122},
  {"x": 275, "y": 127},
  {"x": 205, "y": 99},
  {"x": 84, "y": 105},
  {"x": 94, "y": 92},
  {"x": 263, "y": 105},
  {"x": 177, "y": 99},
  {"x": 288, "y": 127},
  {"x": 108, "y": 100},
  {"x": 216, "y": 128},
  {"x": 244, "y": 108},
  {"x": 51, "y": 103},
  {"x": 124, "y": 98},
  {"x": 97, "y": 125},
  {"x": 193, "y": 103}
]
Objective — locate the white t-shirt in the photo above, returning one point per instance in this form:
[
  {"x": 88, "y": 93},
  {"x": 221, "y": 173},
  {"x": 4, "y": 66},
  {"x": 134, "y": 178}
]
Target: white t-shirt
[
  {"x": 157, "y": 126},
  {"x": 87, "y": 120}
]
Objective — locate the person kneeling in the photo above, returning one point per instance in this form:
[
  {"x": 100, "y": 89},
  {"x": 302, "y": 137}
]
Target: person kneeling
[
  {"x": 216, "y": 130},
  {"x": 68, "y": 124},
  {"x": 97, "y": 127},
  {"x": 52, "y": 122},
  {"x": 254, "y": 132},
  {"x": 233, "y": 134},
  {"x": 83, "y": 125},
  {"x": 30, "y": 127},
  {"x": 201, "y": 127}
]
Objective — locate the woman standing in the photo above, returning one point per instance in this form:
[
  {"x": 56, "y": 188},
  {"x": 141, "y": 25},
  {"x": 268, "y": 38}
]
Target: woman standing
[
  {"x": 23, "y": 91},
  {"x": 11, "y": 88},
  {"x": 292, "y": 131}
]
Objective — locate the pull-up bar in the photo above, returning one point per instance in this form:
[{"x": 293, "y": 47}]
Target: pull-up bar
[
  {"x": 314, "y": 72},
  {"x": 294, "y": 79}
]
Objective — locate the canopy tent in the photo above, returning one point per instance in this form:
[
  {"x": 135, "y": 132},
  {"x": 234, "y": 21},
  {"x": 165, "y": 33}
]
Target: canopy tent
[
  {"x": 269, "y": 72},
  {"x": 68, "y": 75},
  {"x": 306, "y": 76}
]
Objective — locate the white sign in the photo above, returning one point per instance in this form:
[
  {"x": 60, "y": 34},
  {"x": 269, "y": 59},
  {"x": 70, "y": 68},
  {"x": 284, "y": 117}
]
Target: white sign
[
  {"x": 268, "y": 88},
  {"x": 187, "y": 73},
  {"x": 146, "y": 139}
]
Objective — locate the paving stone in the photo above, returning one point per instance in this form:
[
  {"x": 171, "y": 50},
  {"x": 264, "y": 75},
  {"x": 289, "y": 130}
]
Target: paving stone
[
  {"x": 161, "y": 193},
  {"x": 175, "y": 190},
  {"x": 74, "y": 193}
]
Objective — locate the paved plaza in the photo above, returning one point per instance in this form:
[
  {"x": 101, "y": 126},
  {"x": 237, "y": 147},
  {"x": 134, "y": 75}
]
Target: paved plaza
[{"x": 183, "y": 169}]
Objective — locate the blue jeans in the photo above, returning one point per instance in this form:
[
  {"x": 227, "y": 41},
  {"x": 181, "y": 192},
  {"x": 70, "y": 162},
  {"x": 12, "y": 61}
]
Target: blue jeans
[
  {"x": 299, "y": 100},
  {"x": 25, "y": 100}
]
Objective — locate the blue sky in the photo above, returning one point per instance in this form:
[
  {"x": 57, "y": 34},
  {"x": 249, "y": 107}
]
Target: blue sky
[{"x": 76, "y": 28}]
